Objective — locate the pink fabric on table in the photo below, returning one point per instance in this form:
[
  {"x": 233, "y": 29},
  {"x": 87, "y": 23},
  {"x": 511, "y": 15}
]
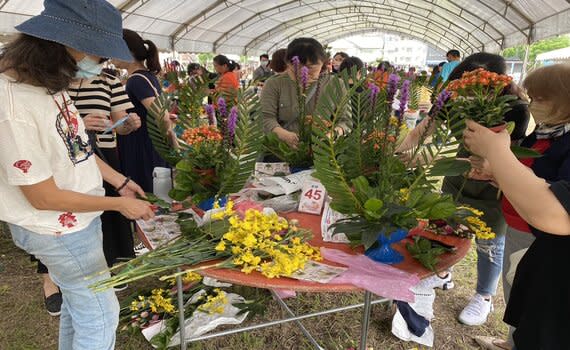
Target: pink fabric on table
[
  {"x": 243, "y": 206},
  {"x": 380, "y": 279}
]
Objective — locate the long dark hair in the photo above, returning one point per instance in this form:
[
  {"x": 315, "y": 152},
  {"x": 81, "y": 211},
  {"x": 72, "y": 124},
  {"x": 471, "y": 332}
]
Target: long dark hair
[
  {"x": 488, "y": 61},
  {"x": 224, "y": 61},
  {"x": 143, "y": 50},
  {"x": 39, "y": 62}
]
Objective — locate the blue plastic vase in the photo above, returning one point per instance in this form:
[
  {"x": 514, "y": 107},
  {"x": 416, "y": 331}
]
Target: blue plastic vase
[
  {"x": 383, "y": 252},
  {"x": 208, "y": 204},
  {"x": 298, "y": 169}
]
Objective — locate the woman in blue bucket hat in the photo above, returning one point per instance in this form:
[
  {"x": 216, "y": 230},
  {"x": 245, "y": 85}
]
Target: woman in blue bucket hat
[{"x": 50, "y": 180}]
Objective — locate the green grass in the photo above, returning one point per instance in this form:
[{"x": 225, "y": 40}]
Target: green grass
[{"x": 27, "y": 326}]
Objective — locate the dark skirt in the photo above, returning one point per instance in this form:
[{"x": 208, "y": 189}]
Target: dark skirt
[
  {"x": 117, "y": 230},
  {"x": 138, "y": 157}
]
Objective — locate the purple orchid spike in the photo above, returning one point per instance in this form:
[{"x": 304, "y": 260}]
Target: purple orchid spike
[
  {"x": 211, "y": 113},
  {"x": 232, "y": 122},
  {"x": 404, "y": 97},
  {"x": 374, "y": 90},
  {"x": 304, "y": 77},
  {"x": 296, "y": 62},
  {"x": 222, "y": 107},
  {"x": 440, "y": 102},
  {"x": 392, "y": 88}
]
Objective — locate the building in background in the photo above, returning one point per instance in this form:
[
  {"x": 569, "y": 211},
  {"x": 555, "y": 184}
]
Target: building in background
[{"x": 400, "y": 51}]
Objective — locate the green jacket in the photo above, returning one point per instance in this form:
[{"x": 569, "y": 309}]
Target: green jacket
[{"x": 279, "y": 104}]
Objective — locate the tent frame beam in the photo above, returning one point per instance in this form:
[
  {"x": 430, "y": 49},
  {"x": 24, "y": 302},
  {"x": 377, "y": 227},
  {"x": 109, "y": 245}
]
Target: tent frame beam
[
  {"x": 351, "y": 26},
  {"x": 367, "y": 4},
  {"x": 316, "y": 21}
]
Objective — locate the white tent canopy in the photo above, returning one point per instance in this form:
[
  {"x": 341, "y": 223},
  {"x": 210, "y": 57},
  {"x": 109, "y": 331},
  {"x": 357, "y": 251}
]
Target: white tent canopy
[{"x": 258, "y": 26}]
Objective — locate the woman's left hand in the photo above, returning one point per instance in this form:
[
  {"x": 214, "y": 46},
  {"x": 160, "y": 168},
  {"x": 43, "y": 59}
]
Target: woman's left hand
[
  {"x": 131, "y": 190},
  {"x": 481, "y": 141}
]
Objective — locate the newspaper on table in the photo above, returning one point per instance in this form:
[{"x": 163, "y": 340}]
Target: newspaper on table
[
  {"x": 329, "y": 218},
  {"x": 160, "y": 229},
  {"x": 318, "y": 272},
  {"x": 164, "y": 228},
  {"x": 271, "y": 169},
  {"x": 280, "y": 185},
  {"x": 283, "y": 190}
]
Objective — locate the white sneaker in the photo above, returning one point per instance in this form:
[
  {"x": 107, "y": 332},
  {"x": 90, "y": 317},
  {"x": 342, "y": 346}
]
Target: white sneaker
[
  {"x": 476, "y": 312},
  {"x": 435, "y": 281},
  {"x": 140, "y": 249}
]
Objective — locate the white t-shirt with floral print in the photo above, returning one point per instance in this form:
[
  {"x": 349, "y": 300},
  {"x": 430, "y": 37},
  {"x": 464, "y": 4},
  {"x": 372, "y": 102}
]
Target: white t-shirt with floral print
[{"x": 43, "y": 136}]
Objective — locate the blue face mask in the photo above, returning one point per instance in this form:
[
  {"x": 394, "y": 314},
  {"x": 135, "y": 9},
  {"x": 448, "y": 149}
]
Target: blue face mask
[{"x": 88, "y": 68}]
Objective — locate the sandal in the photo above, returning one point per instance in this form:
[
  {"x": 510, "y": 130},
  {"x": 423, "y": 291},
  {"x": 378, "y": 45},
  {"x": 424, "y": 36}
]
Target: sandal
[
  {"x": 53, "y": 304},
  {"x": 492, "y": 343}
]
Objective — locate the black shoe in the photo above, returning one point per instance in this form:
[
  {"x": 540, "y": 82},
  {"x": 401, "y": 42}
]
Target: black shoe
[{"x": 53, "y": 304}]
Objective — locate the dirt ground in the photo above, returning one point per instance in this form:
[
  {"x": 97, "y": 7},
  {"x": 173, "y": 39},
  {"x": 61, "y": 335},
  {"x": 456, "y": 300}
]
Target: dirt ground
[{"x": 27, "y": 326}]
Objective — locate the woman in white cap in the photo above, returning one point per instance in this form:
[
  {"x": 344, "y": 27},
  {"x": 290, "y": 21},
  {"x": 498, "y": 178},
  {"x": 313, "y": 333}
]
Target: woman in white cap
[{"x": 50, "y": 180}]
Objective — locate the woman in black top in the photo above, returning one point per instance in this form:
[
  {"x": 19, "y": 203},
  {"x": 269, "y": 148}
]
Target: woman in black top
[
  {"x": 539, "y": 304},
  {"x": 481, "y": 195}
]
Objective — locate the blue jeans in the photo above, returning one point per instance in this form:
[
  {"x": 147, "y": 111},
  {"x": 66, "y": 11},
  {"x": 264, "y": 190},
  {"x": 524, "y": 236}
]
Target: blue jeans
[
  {"x": 484, "y": 197},
  {"x": 88, "y": 320},
  {"x": 489, "y": 263}
]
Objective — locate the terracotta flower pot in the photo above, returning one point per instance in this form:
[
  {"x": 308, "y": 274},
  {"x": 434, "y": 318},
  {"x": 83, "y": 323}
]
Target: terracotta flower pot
[{"x": 498, "y": 128}]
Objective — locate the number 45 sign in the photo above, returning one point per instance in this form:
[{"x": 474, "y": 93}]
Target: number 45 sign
[{"x": 312, "y": 198}]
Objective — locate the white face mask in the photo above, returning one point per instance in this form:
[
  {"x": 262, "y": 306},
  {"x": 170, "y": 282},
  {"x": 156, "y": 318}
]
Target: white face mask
[
  {"x": 543, "y": 113},
  {"x": 88, "y": 68},
  {"x": 264, "y": 63}
]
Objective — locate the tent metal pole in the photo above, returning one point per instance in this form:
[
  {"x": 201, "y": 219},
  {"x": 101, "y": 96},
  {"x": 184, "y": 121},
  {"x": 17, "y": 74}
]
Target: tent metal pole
[{"x": 525, "y": 62}]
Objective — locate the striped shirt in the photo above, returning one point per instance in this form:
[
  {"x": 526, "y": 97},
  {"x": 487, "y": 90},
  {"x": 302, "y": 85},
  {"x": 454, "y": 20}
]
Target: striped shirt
[{"x": 100, "y": 95}]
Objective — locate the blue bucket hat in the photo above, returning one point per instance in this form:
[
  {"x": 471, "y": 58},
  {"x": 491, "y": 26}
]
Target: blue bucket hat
[{"x": 91, "y": 26}]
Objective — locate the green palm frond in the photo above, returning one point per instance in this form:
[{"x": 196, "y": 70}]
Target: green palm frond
[
  {"x": 247, "y": 144},
  {"x": 438, "y": 157},
  {"x": 329, "y": 171},
  {"x": 157, "y": 129},
  {"x": 191, "y": 97}
]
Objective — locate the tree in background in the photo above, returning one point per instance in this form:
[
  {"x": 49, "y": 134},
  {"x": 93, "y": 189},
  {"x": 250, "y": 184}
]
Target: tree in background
[{"x": 537, "y": 48}]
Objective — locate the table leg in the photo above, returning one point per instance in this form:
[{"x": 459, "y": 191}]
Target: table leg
[
  {"x": 365, "y": 320},
  {"x": 299, "y": 324},
  {"x": 180, "y": 294}
]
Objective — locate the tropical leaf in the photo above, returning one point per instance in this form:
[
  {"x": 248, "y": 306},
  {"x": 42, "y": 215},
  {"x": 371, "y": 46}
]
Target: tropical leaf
[
  {"x": 157, "y": 130},
  {"x": 248, "y": 142},
  {"x": 333, "y": 103}
]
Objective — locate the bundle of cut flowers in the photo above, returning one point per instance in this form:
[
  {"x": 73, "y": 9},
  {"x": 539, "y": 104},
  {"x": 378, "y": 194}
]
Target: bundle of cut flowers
[
  {"x": 466, "y": 223},
  {"x": 157, "y": 307},
  {"x": 246, "y": 239}
]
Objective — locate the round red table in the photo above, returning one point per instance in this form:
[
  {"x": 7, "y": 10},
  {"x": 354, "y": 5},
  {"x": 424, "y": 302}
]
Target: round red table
[{"x": 313, "y": 223}]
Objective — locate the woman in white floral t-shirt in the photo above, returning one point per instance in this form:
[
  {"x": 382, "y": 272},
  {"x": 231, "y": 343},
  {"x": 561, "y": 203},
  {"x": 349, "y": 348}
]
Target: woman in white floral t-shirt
[{"x": 50, "y": 181}]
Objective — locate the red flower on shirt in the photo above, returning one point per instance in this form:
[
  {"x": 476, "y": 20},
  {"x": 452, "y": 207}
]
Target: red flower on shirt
[
  {"x": 67, "y": 220},
  {"x": 23, "y": 165}
]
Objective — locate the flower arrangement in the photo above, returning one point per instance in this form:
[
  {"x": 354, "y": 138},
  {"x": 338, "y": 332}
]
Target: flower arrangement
[
  {"x": 482, "y": 96},
  {"x": 247, "y": 239},
  {"x": 217, "y": 152},
  {"x": 380, "y": 195}
]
